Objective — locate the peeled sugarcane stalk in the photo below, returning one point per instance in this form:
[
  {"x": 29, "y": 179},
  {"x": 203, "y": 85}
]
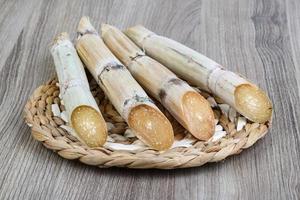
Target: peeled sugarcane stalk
[
  {"x": 130, "y": 100},
  {"x": 81, "y": 107},
  {"x": 199, "y": 70},
  {"x": 182, "y": 101}
]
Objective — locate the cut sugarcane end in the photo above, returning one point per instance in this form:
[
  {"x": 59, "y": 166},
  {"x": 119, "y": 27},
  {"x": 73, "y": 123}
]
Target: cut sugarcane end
[
  {"x": 89, "y": 126},
  {"x": 253, "y": 103},
  {"x": 199, "y": 116},
  {"x": 151, "y": 126}
]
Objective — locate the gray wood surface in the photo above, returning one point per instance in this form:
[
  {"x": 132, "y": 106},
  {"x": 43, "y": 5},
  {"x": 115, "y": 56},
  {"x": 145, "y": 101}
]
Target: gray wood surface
[{"x": 260, "y": 39}]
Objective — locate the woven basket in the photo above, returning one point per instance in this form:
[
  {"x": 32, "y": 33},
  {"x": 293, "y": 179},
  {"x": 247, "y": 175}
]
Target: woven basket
[{"x": 125, "y": 150}]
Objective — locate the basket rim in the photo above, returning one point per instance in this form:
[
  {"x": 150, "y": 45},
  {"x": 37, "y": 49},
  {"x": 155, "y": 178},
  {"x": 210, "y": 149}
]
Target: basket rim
[{"x": 44, "y": 131}]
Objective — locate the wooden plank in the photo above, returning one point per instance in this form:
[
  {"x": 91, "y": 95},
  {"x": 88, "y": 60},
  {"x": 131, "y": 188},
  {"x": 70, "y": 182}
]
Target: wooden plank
[
  {"x": 293, "y": 23},
  {"x": 259, "y": 39}
]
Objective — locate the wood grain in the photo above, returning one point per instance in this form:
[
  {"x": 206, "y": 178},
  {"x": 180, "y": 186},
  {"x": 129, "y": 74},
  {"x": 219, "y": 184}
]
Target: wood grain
[{"x": 260, "y": 39}]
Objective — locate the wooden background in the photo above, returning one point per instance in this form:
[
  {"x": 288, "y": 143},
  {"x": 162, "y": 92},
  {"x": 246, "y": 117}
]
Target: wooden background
[{"x": 257, "y": 38}]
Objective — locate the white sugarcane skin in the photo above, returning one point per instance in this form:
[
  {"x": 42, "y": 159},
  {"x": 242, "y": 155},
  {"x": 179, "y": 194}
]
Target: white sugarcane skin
[
  {"x": 194, "y": 67},
  {"x": 72, "y": 78},
  {"x": 150, "y": 73},
  {"x": 198, "y": 70},
  {"x": 159, "y": 81},
  {"x": 223, "y": 84},
  {"x": 164, "y": 86},
  {"x": 76, "y": 95},
  {"x": 114, "y": 79},
  {"x": 128, "y": 97},
  {"x": 123, "y": 91}
]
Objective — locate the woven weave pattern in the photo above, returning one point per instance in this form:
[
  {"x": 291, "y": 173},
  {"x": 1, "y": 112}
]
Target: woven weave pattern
[{"x": 50, "y": 130}]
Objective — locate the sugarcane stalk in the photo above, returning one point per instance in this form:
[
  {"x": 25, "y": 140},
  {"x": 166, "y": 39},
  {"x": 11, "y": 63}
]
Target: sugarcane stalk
[
  {"x": 81, "y": 107},
  {"x": 189, "y": 108},
  {"x": 247, "y": 98},
  {"x": 130, "y": 100}
]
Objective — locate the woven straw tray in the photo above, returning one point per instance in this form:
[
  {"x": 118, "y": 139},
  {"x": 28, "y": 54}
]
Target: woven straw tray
[{"x": 233, "y": 134}]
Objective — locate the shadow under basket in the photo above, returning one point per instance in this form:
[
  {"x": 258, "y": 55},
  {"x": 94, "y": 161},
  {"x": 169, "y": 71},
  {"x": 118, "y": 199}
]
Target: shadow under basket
[{"x": 44, "y": 113}]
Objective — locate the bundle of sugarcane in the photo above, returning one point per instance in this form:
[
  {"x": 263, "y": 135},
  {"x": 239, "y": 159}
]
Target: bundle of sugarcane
[
  {"x": 183, "y": 102},
  {"x": 201, "y": 71},
  {"x": 83, "y": 112},
  {"x": 130, "y": 100}
]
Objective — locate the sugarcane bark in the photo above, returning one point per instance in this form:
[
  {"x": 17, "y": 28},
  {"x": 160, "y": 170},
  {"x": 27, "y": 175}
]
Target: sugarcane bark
[
  {"x": 205, "y": 73},
  {"x": 75, "y": 92},
  {"x": 128, "y": 97},
  {"x": 175, "y": 95},
  {"x": 182, "y": 101}
]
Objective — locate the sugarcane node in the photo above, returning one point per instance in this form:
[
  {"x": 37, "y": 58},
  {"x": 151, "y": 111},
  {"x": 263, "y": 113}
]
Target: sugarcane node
[
  {"x": 138, "y": 99},
  {"x": 126, "y": 102},
  {"x": 162, "y": 95},
  {"x": 113, "y": 67},
  {"x": 176, "y": 81},
  {"x": 109, "y": 67},
  {"x": 92, "y": 32},
  {"x": 137, "y": 56},
  {"x": 84, "y": 28},
  {"x": 142, "y": 99}
]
